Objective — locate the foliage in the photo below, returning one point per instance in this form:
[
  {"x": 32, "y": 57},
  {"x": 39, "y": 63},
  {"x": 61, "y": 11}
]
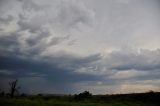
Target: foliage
[
  {"x": 83, "y": 95},
  {"x": 142, "y": 99}
]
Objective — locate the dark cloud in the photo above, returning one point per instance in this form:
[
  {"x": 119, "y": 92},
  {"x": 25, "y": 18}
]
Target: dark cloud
[
  {"x": 9, "y": 43},
  {"x": 58, "y": 70},
  {"x": 31, "y": 44},
  {"x": 21, "y": 48},
  {"x": 6, "y": 72},
  {"x": 36, "y": 36}
]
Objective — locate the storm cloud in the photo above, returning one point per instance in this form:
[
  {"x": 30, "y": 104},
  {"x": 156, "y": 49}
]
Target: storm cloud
[{"x": 67, "y": 46}]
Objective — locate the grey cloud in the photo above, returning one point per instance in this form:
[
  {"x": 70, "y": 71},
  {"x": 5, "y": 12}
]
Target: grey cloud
[
  {"x": 42, "y": 42},
  {"x": 57, "y": 69},
  {"x": 64, "y": 16},
  {"x": 33, "y": 44},
  {"x": 125, "y": 65},
  {"x": 72, "y": 13},
  {"x": 31, "y": 5},
  {"x": 144, "y": 60},
  {"x": 38, "y": 38},
  {"x": 57, "y": 40},
  {"x": 6, "y": 20},
  {"x": 35, "y": 74},
  {"x": 6, "y": 72},
  {"x": 38, "y": 25},
  {"x": 67, "y": 15},
  {"x": 3, "y": 2},
  {"x": 9, "y": 43},
  {"x": 72, "y": 42},
  {"x": 31, "y": 25}
]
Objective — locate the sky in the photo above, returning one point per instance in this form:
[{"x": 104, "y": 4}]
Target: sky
[{"x": 69, "y": 46}]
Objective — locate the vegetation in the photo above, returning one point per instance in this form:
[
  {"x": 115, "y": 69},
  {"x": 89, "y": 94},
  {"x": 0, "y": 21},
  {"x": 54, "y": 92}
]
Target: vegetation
[
  {"x": 14, "y": 88},
  {"x": 84, "y": 99}
]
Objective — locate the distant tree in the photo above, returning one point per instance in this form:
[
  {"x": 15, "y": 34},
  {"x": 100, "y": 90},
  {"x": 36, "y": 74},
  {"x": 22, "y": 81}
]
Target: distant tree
[
  {"x": 23, "y": 95},
  {"x": 2, "y": 93},
  {"x": 39, "y": 94},
  {"x": 14, "y": 88},
  {"x": 150, "y": 91},
  {"x": 83, "y": 95}
]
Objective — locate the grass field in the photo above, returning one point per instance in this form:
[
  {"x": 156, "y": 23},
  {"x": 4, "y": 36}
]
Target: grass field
[{"x": 142, "y": 99}]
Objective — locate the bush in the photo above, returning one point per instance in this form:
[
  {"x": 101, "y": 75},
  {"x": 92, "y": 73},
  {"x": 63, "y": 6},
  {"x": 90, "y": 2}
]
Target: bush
[{"x": 83, "y": 95}]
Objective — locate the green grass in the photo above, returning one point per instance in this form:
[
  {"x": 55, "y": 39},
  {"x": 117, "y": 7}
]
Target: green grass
[
  {"x": 24, "y": 102},
  {"x": 144, "y": 99}
]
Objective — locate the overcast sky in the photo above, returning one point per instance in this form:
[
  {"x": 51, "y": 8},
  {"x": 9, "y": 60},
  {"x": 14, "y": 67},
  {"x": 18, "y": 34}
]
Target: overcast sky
[{"x": 68, "y": 46}]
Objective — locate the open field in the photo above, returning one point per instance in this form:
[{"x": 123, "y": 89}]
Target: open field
[{"x": 141, "y": 99}]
